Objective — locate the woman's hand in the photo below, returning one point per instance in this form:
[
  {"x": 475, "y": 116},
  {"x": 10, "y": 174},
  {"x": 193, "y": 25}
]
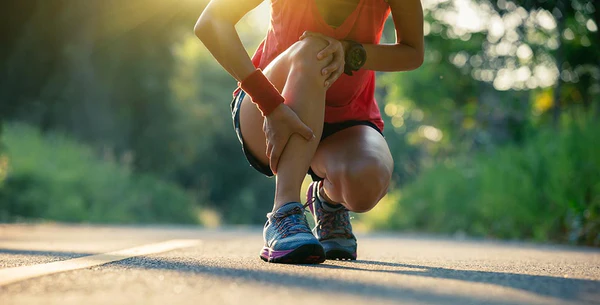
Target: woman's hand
[
  {"x": 278, "y": 127},
  {"x": 335, "y": 48}
]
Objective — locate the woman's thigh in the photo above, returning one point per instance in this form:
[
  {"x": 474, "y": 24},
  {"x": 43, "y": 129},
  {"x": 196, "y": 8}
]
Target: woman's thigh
[{"x": 251, "y": 119}]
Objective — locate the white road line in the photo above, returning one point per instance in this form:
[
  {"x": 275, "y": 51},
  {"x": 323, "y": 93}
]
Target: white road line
[{"x": 16, "y": 274}]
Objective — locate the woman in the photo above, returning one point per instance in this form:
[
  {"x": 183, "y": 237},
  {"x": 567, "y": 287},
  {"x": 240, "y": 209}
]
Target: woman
[{"x": 305, "y": 102}]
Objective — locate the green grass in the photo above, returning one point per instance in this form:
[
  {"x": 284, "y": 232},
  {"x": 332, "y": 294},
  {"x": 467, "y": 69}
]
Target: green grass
[{"x": 52, "y": 177}]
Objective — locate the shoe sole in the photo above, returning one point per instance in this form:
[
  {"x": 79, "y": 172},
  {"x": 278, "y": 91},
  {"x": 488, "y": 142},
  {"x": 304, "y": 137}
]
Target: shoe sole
[
  {"x": 340, "y": 255},
  {"x": 305, "y": 254}
]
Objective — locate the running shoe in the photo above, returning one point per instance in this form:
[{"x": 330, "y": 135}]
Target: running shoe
[
  {"x": 288, "y": 238},
  {"x": 332, "y": 227}
]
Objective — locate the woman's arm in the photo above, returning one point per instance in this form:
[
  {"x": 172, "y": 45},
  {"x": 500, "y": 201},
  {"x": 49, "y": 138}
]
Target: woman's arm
[
  {"x": 216, "y": 29},
  {"x": 407, "y": 53}
]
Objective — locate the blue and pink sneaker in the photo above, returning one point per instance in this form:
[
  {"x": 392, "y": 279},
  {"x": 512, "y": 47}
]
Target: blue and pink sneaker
[
  {"x": 288, "y": 238},
  {"x": 332, "y": 227}
]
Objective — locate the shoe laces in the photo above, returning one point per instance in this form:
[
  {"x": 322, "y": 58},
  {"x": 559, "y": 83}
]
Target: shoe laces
[
  {"x": 291, "y": 221},
  {"x": 335, "y": 224}
]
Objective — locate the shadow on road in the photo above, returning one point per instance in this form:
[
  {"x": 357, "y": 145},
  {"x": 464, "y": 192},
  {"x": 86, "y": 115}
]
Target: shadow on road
[
  {"x": 566, "y": 289},
  {"x": 585, "y": 291},
  {"x": 549, "y": 286}
]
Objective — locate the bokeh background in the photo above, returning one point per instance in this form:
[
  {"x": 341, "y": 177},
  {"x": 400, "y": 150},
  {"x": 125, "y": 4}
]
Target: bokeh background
[{"x": 113, "y": 112}]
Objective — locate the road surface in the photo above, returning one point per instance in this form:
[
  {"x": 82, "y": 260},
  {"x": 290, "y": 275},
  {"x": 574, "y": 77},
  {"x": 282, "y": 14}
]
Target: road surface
[{"x": 64, "y": 264}]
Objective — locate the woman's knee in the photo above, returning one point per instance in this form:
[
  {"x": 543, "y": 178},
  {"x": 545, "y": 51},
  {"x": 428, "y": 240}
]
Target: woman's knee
[
  {"x": 364, "y": 183},
  {"x": 303, "y": 55}
]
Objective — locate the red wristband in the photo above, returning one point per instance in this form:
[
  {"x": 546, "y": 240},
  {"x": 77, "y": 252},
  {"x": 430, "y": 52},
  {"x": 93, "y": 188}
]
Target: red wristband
[{"x": 262, "y": 92}]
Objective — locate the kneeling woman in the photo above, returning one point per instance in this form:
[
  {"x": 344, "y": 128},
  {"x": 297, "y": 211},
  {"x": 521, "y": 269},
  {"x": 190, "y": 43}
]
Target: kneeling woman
[{"x": 305, "y": 103}]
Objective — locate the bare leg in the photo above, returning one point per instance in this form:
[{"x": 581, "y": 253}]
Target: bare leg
[
  {"x": 297, "y": 74},
  {"x": 357, "y": 166}
]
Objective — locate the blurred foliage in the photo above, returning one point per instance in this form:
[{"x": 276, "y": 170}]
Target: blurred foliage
[
  {"x": 52, "y": 177},
  {"x": 130, "y": 81},
  {"x": 491, "y": 77},
  {"x": 546, "y": 189},
  {"x": 468, "y": 129}
]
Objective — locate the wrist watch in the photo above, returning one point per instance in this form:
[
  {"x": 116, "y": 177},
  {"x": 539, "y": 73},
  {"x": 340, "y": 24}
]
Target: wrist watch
[{"x": 355, "y": 57}]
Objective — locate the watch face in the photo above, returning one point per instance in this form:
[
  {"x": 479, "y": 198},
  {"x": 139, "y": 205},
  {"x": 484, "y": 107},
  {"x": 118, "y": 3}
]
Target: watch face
[{"x": 356, "y": 57}]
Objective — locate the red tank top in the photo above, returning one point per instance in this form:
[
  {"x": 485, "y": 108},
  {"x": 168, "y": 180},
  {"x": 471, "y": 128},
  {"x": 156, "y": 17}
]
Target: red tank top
[{"x": 350, "y": 97}]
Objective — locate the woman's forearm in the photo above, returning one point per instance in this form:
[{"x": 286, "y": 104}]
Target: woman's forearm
[
  {"x": 223, "y": 42},
  {"x": 392, "y": 57},
  {"x": 407, "y": 53}
]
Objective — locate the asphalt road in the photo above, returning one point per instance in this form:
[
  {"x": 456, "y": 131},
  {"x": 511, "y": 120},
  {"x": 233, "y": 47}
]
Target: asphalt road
[{"x": 222, "y": 267}]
